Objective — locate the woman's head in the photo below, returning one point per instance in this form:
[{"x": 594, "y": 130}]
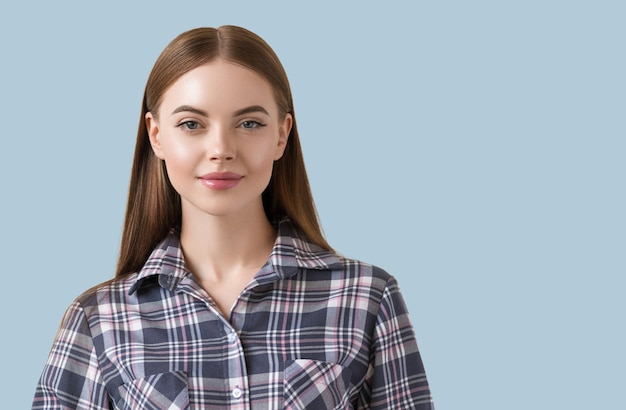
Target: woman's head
[{"x": 153, "y": 204}]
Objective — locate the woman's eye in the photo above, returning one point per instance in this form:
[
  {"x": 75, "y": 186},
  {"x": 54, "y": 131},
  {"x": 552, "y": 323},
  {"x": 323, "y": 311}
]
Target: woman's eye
[
  {"x": 251, "y": 124},
  {"x": 189, "y": 125}
]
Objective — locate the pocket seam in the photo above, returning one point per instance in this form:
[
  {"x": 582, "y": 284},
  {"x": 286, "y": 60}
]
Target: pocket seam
[
  {"x": 306, "y": 381},
  {"x": 146, "y": 393}
]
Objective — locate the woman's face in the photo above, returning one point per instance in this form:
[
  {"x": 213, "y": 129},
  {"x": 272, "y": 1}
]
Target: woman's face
[{"x": 219, "y": 131}]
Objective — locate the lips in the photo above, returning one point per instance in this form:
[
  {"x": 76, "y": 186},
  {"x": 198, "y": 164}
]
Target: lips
[{"x": 221, "y": 180}]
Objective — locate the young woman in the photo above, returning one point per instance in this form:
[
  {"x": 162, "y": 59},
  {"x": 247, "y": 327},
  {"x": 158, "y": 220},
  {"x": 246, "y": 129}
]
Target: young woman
[{"x": 227, "y": 295}]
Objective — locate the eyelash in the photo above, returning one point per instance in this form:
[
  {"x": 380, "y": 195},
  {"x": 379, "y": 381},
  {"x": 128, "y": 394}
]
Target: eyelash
[
  {"x": 185, "y": 125},
  {"x": 191, "y": 126},
  {"x": 255, "y": 124}
]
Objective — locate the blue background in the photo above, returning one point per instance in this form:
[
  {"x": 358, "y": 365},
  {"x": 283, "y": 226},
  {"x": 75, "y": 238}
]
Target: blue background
[{"x": 475, "y": 150}]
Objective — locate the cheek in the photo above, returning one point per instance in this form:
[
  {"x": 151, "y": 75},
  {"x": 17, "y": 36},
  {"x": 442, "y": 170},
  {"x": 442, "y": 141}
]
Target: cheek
[
  {"x": 262, "y": 159},
  {"x": 180, "y": 158},
  {"x": 177, "y": 150}
]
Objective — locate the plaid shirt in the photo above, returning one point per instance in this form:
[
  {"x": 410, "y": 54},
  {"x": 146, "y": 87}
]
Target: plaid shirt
[{"x": 312, "y": 330}]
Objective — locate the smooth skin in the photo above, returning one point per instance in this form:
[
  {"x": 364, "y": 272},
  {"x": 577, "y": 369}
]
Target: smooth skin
[{"x": 221, "y": 117}]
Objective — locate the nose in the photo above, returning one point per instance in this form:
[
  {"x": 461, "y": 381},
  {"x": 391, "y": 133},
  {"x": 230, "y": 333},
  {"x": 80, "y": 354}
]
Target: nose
[{"x": 221, "y": 146}]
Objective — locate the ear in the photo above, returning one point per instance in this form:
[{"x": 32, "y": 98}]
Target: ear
[
  {"x": 152, "y": 126},
  {"x": 283, "y": 136}
]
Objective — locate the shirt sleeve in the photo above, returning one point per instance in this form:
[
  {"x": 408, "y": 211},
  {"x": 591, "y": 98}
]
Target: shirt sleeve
[
  {"x": 71, "y": 378},
  {"x": 396, "y": 378}
]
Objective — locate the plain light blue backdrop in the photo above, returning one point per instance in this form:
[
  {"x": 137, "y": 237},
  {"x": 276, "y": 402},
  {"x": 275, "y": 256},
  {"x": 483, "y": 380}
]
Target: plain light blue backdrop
[{"x": 474, "y": 149}]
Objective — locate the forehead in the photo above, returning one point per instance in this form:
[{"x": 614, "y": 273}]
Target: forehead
[{"x": 219, "y": 86}]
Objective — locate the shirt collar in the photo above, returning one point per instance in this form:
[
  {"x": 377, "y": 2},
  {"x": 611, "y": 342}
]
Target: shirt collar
[
  {"x": 291, "y": 252},
  {"x": 166, "y": 263}
]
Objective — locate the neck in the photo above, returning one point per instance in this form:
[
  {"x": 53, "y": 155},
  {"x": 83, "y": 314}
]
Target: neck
[{"x": 220, "y": 248}]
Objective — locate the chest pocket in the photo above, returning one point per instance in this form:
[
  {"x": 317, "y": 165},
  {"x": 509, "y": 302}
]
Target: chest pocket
[
  {"x": 311, "y": 384},
  {"x": 164, "y": 391}
]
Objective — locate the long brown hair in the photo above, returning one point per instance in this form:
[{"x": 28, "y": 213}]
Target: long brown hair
[{"x": 153, "y": 205}]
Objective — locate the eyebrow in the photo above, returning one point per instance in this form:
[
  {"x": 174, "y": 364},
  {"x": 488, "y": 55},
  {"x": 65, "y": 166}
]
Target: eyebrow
[
  {"x": 251, "y": 109},
  {"x": 189, "y": 108},
  {"x": 242, "y": 111}
]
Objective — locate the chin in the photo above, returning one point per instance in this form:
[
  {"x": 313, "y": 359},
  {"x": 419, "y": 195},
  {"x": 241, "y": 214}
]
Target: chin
[{"x": 222, "y": 209}]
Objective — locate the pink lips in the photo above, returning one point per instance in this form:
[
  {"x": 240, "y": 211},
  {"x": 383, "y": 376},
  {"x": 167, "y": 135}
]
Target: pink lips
[{"x": 220, "y": 180}]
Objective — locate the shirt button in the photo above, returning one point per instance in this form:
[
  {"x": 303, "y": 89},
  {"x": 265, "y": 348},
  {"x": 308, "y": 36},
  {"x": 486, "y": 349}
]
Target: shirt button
[
  {"x": 231, "y": 337},
  {"x": 237, "y": 392}
]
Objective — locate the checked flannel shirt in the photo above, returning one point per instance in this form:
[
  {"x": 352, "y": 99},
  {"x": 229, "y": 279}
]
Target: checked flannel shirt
[{"x": 313, "y": 330}]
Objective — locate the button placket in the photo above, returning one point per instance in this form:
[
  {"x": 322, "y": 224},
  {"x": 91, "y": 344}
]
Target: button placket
[{"x": 237, "y": 372}]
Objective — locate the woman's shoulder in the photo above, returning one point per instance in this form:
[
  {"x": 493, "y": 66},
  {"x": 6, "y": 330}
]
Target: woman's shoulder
[
  {"x": 339, "y": 271},
  {"x": 165, "y": 258},
  {"x": 293, "y": 248},
  {"x": 363, "y": 268}
]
